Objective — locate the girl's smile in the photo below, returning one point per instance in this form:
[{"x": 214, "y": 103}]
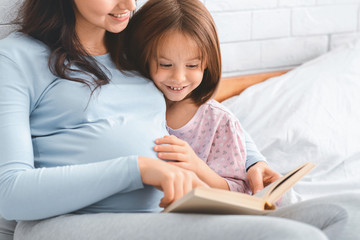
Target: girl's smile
[{"x": 177, "y": 88}]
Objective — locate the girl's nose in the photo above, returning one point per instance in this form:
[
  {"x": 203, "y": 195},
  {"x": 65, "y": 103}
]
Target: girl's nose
[{"x": 178, "y": 76}]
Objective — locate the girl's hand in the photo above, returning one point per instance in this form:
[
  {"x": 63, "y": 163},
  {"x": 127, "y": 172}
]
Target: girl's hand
[
  {"x": 175, "y": 149},
  {"x": 172, "y": 180}
]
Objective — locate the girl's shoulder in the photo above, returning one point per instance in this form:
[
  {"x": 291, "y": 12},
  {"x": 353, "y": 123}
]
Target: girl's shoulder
[{"x": 217, "y": 108}]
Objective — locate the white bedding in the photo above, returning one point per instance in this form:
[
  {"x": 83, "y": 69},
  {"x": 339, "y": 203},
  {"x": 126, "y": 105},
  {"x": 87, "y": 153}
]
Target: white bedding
[{"x": 312, "y": 113}]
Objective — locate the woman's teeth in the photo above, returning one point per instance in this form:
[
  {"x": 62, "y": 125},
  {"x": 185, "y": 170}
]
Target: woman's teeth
[{"x": 119, "y": 15}]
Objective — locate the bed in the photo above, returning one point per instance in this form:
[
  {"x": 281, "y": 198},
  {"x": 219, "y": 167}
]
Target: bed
[{"x": 309, "y": 113}]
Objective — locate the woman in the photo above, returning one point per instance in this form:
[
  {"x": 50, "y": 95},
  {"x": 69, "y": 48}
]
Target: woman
[{"x": 77, "y": 137}]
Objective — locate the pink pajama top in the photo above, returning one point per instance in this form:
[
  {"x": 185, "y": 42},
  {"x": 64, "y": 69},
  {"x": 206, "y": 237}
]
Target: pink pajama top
[{"x": 218, "y": 138}]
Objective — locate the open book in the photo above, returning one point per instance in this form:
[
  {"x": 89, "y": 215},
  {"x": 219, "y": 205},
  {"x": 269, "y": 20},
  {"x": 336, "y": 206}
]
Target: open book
[{"x": 218, "y": 201}]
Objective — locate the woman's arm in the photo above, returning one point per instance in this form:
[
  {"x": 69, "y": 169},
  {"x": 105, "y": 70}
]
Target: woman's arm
[
  {"x": 258, "y": 172},
  {"x": 29, "y": 193},
  {"x": 253, "y": 155}
]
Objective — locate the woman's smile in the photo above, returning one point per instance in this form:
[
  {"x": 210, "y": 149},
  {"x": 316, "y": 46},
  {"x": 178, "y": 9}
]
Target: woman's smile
[{"x": 120, "y": 16}]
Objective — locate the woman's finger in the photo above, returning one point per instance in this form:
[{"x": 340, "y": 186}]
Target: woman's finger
[
  {"x": 169, "y": 193},
  {"x": 256, "y": 181},
  {"x": 179, "y": 186},
  {"x": 171, "y": 156},
  {"x": 188, "y": 186}
]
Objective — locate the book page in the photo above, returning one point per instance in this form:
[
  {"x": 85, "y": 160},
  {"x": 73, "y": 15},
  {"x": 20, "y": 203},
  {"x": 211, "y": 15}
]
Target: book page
[{"x": 263, "y": 192}]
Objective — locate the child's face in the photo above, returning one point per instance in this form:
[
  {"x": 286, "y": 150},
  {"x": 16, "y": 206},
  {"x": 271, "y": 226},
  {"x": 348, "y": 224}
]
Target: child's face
[{"x": 178, "y": 69}]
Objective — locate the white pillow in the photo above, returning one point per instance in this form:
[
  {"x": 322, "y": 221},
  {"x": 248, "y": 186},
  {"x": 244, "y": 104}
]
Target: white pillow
[{"x": 312, "y": 113}]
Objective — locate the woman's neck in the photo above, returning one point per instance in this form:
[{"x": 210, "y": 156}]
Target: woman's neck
[
  {"x": 92, "y": 40},
  {"x": 178, "y": 114}
]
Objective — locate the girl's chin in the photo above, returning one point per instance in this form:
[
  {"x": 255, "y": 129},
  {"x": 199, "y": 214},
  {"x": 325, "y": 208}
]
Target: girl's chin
[{"x": 175, "y": 98}]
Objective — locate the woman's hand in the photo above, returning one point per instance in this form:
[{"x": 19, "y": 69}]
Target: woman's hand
[
  {"x": 172, "y": 180},
  {"x": 260, "y": 175},
  {"x": 175, "y": 149}
]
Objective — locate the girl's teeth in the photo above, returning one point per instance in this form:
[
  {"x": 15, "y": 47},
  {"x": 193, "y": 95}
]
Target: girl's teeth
[{"x": 176, "y": 89}]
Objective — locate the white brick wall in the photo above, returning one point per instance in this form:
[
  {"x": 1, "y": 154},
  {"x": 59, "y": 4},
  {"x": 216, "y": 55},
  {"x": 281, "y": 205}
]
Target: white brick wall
[
  {"x": 267, "y": 35},
  {"x": 359, "y": 19},
  {"x": 236, "y": 26},
  {"x": 239, "y": 5},
  {"x": 281, "y": 34},
  {"x": 324, "y": 19},
  {"x": 272, "y": 23}
]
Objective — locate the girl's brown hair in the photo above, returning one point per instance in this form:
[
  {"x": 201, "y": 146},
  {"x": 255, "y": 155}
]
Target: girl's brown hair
[{"x": 157, "y": 18}]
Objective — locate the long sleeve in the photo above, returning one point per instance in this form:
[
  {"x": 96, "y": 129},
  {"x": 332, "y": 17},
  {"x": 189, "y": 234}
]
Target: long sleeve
[
  {"x": 63, "y": 149},
  {"x": 227, "y": 154},
  {"x": 253, "y": 155},
  {"x": 27, "y": 193}
]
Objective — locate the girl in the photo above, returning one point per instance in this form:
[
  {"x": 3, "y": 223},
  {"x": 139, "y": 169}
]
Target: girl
[
  {"x": 76, "y": 136},
  {"x": 180, "y": 52}
]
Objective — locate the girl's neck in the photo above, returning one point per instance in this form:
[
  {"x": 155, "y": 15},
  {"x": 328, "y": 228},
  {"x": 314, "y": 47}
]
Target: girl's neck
[{"x": 178, "y": 114}]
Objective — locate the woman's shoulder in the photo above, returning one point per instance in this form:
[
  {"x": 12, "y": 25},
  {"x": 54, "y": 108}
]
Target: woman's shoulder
[{"x": 19, "y": 45}]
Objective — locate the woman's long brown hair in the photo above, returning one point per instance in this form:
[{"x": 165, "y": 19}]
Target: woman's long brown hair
[
  {"x": 53, "y": 23},
  {"x": 153, "y": 21}
]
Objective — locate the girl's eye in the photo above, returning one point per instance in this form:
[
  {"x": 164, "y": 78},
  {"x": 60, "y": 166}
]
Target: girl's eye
[
  {"x": 192, "y": 65},
  {"x": 165, "y": 65}
]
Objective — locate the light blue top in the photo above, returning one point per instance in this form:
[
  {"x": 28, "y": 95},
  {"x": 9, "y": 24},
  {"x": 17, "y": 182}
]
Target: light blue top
[
  {"x": 253, "y": 155},
  {"x": 63, "y": 151}
]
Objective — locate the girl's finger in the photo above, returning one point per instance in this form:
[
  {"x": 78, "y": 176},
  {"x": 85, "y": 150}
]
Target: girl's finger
[
  {"x": 180, "y": 164},
  {"x": 169, "y": 140},
  {"x": 168, "y": 148}
]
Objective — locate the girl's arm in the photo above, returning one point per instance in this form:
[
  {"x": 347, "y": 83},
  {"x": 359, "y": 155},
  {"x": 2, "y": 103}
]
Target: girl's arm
[
  {"x": 225, "y": 163},
  {"x": 181, "y": 154},
  {"x": 228, "y": 154}
]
